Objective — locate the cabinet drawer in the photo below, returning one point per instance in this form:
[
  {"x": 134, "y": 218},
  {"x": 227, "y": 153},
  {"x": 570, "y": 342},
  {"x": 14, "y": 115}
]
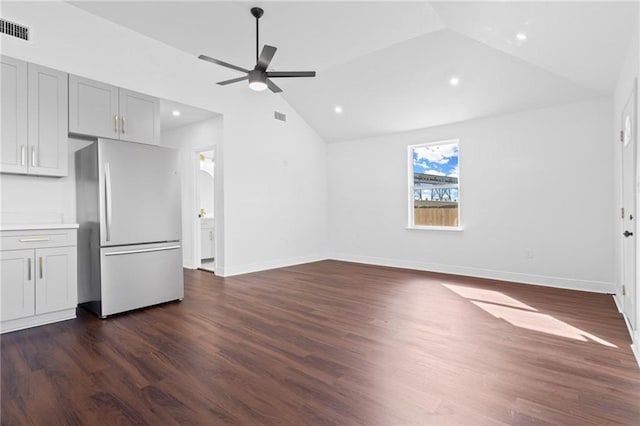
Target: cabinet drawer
[{"x": 15, "y": 240}]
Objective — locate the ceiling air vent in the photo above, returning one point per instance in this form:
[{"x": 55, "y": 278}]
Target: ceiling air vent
[
  {"x": 280, "y": 116},
  {"x": 14, "y": 30}
]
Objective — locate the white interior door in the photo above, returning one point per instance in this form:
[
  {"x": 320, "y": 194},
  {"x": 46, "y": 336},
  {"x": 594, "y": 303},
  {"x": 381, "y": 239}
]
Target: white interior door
[{"x": 629, "y": 190}]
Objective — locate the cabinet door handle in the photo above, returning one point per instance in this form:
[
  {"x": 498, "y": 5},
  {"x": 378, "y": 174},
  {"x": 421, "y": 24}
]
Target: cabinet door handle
[
  {"x": 115, "y": 123},
  {"x": 34, "y": 239},
  {"x": 33, "y": 156},
  {"x": 123, "y": 124},
  {"x": 22, "y": 155},
  {"x": 29, "y": 269},
  {"x": 211, "y": 235},
  {"x": 41, "y": 267}
]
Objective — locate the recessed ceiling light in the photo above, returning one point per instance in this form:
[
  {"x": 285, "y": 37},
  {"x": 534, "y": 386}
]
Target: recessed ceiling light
[
  {"x": 175, "y": 113},
  {"x": 521, "y": 36},
  {"x": 454, "y": 81},
  {"x": 338, "y": 109}
]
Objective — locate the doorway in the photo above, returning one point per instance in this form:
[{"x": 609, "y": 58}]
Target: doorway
[
  {"x": 628, "y": 137},
  {"x": 205, "y": 201}
]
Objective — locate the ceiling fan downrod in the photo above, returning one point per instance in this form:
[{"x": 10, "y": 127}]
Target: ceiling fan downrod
[{"x": 257, "y": 13}]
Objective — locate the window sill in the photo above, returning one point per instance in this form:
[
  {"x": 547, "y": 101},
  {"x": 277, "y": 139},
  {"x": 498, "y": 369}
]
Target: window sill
[{"x": 435, "y": 228}]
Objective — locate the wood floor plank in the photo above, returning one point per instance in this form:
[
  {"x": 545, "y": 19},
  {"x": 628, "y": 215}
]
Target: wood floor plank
[{"x": 331, "y": 343}]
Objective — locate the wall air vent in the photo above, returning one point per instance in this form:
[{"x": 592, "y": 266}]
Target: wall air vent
[
  {"x": 14, "y": 30},
  {"x": 280, "y": 116}
]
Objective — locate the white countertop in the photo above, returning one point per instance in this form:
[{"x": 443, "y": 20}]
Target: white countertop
[{"x": 37, "y": 226}]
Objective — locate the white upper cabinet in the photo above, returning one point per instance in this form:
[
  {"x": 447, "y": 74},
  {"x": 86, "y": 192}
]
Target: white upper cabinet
[
  {"x": 140, "y": 117},
  {"x": 48, "y": 132},
  {"x": 93, "y": 108},
  {"x": 102, "y": 110},
  {"x": 34, "y": 119},
  {"x": 14, "y": 116}
]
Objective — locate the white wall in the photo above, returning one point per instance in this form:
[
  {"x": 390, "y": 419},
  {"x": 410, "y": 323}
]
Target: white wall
[
  {"x": 274, "y": 185},
  {"x": 537, "y": 180},
  {"x": 276, "y": 175},
  {"x": 41, "y": 199},
  {"x": 189, "y": 140},
  {"x": 624, "y": 87}
]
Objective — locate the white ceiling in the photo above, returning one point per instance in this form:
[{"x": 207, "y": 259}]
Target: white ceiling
[
  {"x": 388, "y": 63},
  {"x": 188, "y": 115}
]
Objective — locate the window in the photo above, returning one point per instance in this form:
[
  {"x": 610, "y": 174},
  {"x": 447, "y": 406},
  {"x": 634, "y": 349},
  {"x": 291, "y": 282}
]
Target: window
[{"x": 434, "y": 197}]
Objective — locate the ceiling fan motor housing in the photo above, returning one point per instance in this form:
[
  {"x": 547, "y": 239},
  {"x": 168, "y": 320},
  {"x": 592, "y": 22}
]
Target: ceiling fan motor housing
[
  {"x": 257, "y": 75},
  {"x": 257, "y": 12}
]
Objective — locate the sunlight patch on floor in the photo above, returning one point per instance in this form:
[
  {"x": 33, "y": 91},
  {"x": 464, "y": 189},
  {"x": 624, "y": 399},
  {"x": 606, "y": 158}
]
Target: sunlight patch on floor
[
  {"x": 522, "y": 315},
  {"x": 490, "y": 296},
  {"x": 540, "y": 322}
]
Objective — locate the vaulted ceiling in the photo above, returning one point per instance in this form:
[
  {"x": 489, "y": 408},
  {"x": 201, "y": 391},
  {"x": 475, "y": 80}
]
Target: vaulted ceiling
[{"x": 389, "y": 64}]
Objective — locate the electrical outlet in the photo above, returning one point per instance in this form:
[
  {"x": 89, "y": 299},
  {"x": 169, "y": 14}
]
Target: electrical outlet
[{"x": 528, "y": 253}]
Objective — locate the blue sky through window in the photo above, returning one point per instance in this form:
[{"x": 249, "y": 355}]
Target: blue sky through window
[{"x": 441, "y": 159}]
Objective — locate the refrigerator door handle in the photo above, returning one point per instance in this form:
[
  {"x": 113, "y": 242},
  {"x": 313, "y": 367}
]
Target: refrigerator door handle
[
  {"x": 116, "y": 253},
  {"x": 107, "y": 196}
]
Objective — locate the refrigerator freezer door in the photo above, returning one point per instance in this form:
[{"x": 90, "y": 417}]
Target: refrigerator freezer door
[
  {"x": 139, "y": 193},
  {"x": 140, "y": 275}
]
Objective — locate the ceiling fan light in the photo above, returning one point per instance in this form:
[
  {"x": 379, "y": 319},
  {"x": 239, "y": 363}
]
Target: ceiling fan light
[
  {"x": 257, "y": 85},
  {"x": 257, "y": 80}
]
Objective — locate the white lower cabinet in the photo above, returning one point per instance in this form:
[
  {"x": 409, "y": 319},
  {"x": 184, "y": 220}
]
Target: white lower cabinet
[
  {"x": 207, "y": 240},
  {"x": 18, "y": 287},
  {"x": 38, "y": 278}
]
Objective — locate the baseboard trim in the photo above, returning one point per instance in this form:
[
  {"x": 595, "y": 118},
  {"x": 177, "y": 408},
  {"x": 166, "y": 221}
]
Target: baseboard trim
[
  {"x": 635, "y": 347},
  {"x": 617, "y": 302},
  {"x": 37, "y": 320},
  {"x": 229, "y": 271},
  {"x": 189, "y": 263},
  {"x": 541, "y": 280}
]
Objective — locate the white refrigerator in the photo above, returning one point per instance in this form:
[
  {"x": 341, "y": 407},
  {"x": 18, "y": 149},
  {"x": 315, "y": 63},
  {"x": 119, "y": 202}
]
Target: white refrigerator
[{"x": 129, "y": 240}]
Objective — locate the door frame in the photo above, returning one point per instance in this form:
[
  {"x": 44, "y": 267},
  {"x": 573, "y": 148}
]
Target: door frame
[
  {"x": 633, "y": 97},
  {"x": 197, "y": 243}
]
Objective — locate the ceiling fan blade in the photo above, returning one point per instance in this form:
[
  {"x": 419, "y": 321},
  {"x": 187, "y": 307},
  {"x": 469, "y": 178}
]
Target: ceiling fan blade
[
  {"x": 224, "y": 64},
  {"x": 265, "y": 57},
  {"x": 233, "y": 80},
  {"x": 272, "y": 86},
  {"x": 281, "y": 74}
]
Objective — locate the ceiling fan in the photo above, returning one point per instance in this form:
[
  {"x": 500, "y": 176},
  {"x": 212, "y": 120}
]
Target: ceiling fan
[{"x": 259, "y": 78}]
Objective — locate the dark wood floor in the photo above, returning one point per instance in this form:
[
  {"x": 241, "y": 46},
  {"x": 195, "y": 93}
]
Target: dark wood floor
[{"x": 332, "y": 343}]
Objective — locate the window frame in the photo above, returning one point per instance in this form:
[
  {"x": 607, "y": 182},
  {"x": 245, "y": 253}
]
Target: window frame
[{"x": 411, "y": 189}]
